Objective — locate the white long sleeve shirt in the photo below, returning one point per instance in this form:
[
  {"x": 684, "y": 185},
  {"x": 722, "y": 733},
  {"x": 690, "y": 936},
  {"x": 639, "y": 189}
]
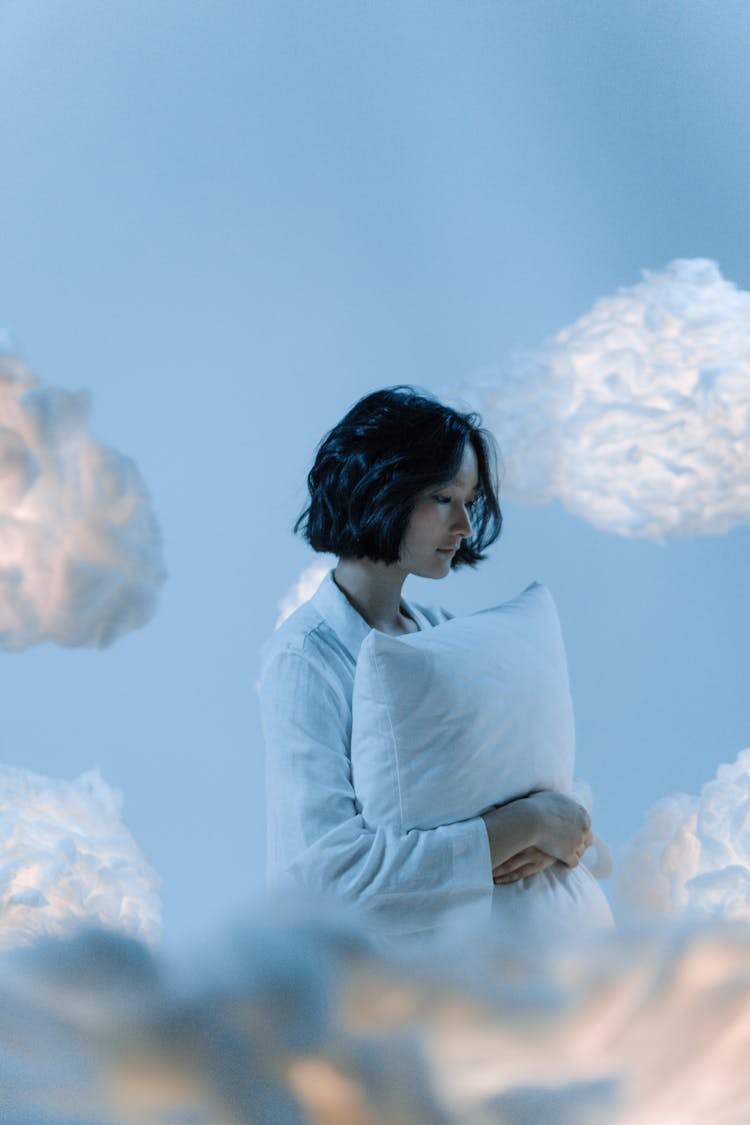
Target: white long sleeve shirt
[{"x": 317, "y": 840}]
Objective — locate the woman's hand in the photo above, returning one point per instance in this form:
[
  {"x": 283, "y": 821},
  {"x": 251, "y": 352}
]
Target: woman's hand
[
  {"x": 563, "y": 826},
  {"x": 528, "y": 862},
  {"x": 530, "y": 833}
]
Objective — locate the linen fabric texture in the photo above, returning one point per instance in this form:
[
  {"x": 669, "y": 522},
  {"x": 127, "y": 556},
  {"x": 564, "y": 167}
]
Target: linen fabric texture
[
  {"x": 406, "y": 883},
  {"x": 470, "y": 714}
]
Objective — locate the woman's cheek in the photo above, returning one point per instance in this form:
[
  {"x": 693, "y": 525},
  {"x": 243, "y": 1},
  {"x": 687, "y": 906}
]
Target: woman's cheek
[{"x": 422, "y": 517}]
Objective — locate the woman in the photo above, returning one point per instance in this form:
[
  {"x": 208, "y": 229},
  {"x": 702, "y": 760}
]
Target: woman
[{"x": 402, "y": 485}]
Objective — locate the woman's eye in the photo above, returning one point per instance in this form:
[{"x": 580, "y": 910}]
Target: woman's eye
[{"x": 447, "y": 500}]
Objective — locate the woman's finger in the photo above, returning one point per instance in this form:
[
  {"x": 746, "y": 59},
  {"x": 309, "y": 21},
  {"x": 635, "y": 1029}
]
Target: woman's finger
[
  {"x": 513, "y": 863},
  {"x": 525, "y": 870},
  {"x": 520, "y": 873},
  {"x": 528, "y": 855}
]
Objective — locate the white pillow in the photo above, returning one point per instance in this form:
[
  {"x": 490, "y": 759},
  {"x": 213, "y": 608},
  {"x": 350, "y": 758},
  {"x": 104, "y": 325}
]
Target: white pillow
[{"x": 469, "y": 714}]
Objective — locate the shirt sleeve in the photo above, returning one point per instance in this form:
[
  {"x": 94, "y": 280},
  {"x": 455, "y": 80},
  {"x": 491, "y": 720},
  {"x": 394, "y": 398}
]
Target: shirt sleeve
[{"x": 317, "y": 838}]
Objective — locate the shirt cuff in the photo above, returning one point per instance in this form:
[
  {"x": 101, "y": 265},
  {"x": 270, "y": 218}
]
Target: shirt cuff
[{"x": 472, "y": 863}]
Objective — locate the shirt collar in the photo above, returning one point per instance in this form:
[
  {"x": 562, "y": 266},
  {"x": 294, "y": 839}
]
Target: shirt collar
[{"x": 349, "y": 625}]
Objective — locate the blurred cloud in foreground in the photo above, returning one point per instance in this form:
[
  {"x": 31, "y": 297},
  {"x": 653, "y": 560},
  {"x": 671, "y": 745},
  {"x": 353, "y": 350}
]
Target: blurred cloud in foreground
[
  {"x": 299, "y": 1016},
  {"x": 300, "y": 1019},
  {"x": 637, "y": 416},
  {"x": 80, "y": 548},
  {"x": 67, "y": 860}
]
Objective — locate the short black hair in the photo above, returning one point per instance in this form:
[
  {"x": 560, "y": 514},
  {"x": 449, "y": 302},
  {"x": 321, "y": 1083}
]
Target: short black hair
[{"x": 372, "y": 467}]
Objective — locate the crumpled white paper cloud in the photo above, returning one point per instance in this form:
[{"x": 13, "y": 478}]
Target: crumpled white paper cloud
[
  {"x": 301, "y": 1020},
  {"x": 692, "y": 855},
  {"x": 80, "y": 548},
  {"x": 637, "y": 416},
  {"x": 67, "y": 860}
]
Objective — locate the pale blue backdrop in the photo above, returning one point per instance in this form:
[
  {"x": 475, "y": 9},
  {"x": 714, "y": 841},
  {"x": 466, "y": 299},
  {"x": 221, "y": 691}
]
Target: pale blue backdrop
[{"x": 229, "y": 220}]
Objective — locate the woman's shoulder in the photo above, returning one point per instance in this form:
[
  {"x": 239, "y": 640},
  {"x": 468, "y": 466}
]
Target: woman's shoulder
[
  {"x": 298, "y": 633},
  {"x": 307, "y": 637}
]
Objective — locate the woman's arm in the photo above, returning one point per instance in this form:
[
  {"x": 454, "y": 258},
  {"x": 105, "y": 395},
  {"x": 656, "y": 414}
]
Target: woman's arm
[
  {"x": 319, "y": 841},
  {"x": 550, "y": 827},
  {"x": 317, "y": 837}
]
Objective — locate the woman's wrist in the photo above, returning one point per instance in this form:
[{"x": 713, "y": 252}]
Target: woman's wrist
[
  {"x": 511, "y": 828},
  {"x": 535, "y": 816}
]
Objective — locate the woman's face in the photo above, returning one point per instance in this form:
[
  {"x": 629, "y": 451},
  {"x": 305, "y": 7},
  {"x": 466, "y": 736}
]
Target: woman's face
[{"x": 440, "y": 520}]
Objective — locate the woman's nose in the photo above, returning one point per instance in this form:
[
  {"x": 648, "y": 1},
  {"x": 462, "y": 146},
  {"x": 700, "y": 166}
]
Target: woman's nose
[{"x": 463, "y": 522}]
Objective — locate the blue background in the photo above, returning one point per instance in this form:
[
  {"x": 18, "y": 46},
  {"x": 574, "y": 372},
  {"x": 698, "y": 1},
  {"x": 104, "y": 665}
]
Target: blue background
[{"x": 229, "y": 221}]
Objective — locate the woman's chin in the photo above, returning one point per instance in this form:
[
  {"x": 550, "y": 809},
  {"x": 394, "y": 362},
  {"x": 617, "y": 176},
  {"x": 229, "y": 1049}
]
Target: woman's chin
[{"x": 437, "y": 568}]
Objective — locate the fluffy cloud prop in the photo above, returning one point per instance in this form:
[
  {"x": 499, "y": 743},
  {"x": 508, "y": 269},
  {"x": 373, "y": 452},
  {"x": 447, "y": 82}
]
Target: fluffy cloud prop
[
  {"x": 67, "y": 860},
  {"x": 80, "y": 549},
  {"x": 692, "y": 855},
  {"x": 300, "y": 1020},
  {"x": 637, "y": 416}
]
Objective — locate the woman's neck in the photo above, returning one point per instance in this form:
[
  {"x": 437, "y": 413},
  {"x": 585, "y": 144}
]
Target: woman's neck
[{"x": 374, "y": 589}]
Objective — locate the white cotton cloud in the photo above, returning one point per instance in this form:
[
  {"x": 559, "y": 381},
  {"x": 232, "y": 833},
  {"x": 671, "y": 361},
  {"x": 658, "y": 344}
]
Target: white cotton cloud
[
  {"x": 300, "y": 1019},
  {"x": 67, "y": 860},
  {"x": 303, "y": 589},
  {"x": 637, "y": 416},
  {"x": 692, "y": 855},
  {"x": 80, "y": 549}
]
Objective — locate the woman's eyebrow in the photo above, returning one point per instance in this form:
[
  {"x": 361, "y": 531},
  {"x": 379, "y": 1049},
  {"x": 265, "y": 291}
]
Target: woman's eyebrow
[{"x": 455, "y": 484}]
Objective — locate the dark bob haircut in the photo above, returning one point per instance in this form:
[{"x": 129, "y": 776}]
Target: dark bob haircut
[{"x": 370, "y": 470}]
